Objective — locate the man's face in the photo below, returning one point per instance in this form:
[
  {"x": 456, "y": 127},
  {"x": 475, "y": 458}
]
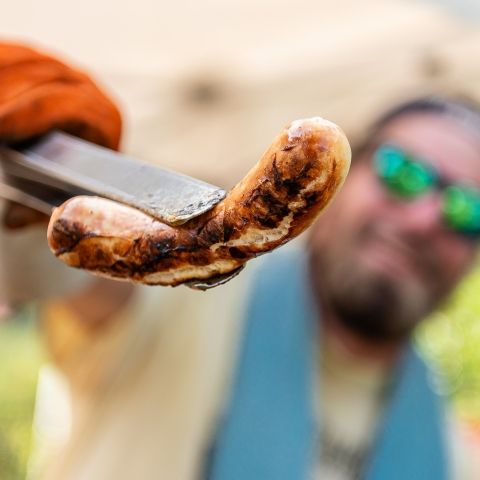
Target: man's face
[{"x": 382, "y": 263}]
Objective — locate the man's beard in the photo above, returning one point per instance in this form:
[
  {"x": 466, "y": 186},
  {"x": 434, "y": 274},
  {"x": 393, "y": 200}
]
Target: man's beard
[
  {"x": 369, "y": 302},
  {"x": 375, "y": 307}
]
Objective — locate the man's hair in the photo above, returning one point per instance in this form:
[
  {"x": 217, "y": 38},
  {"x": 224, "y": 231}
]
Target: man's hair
[{"x": 463, "y": 109}]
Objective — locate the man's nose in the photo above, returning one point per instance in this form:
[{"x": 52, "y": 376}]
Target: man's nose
[{"x": 423, "y": 215}]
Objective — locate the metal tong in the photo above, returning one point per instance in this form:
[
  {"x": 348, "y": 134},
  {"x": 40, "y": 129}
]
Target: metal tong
[{"x": 44, "y": 174}]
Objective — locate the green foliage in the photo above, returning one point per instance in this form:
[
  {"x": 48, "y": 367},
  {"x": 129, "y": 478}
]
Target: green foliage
[
  {"x": 20, "y": 358},
  {"x": 451, "y": 339}
]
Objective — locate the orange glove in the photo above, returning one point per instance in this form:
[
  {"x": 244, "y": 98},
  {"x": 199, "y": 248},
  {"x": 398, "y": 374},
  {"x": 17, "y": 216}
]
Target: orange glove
[{"x": 39, "y": 93}]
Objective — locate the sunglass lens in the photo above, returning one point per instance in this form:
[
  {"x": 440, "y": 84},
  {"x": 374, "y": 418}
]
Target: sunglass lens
[
  {"x": 461, "y": 209},
  {"x": 402, "y": 175}
]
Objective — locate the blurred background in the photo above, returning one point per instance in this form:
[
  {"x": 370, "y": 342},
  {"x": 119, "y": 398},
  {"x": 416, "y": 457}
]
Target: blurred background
[{"x": 205, "y": 86}]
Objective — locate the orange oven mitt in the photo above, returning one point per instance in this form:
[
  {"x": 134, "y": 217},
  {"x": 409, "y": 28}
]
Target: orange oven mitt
[{"x": 38, "y": 93}]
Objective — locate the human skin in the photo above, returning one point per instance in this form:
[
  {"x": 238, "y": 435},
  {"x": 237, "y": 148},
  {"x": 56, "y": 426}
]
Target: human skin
[{"x": 370, "y": 246}]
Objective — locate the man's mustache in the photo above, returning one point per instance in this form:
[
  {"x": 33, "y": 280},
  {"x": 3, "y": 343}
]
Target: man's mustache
[{"x": 416, "y": 249}]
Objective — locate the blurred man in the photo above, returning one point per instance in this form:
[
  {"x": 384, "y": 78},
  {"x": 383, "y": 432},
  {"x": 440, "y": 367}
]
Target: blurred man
[
  {"x": 394, "y": 244},
  {"x": 301, "y": 368}
]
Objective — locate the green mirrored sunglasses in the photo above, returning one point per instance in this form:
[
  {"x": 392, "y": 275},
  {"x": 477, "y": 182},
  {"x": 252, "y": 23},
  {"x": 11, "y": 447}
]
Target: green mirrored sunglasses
[{"x": 408, "y": 177}]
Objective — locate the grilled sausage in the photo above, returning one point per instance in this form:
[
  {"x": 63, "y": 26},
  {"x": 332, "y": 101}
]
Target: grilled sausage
[{"x": 278, "y": 199}]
